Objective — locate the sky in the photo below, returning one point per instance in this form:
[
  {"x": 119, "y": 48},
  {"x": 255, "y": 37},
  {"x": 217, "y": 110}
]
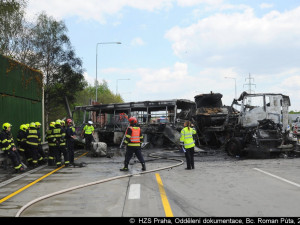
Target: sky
[{"x": 177, "y": 49}]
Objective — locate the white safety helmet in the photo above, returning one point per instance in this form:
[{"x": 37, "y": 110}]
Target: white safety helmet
[{"x": 90, "y": 122}]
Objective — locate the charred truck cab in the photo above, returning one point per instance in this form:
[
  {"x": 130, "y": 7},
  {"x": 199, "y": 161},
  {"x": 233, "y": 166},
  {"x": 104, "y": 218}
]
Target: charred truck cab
[{"x": 261, "y": 125}]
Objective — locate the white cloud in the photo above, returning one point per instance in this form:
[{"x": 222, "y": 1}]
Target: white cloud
[
  {"x": 266, "y": 6},
  {"x": 241, "y": 40},
  {"x": 137, "y": 42},
  {"x": 197, "y": 2},
  {"x": 89, "y": 79},
  {"x": 176, "y": 82},
  {"x": 92, "y": 9}
]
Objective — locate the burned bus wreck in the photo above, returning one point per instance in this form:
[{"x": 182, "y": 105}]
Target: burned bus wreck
[
  {"x": 254, "y": 123},
  {"x": 160, "y": 121},
  {"x": 261, "y": 125}
]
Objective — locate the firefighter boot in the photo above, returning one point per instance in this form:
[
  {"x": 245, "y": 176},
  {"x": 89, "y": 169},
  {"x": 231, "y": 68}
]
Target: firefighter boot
[
  {"x": 125, "y": 168},
  {"x": 143, "y": 166}
]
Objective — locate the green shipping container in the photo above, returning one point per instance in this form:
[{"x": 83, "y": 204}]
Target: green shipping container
[{"x": 21, "y": 94}]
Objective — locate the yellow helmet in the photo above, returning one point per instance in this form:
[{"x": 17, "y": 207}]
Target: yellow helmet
[
  {"x": 23, "y": 127},
  {"x": 32, "y": 125},
  {"x": 62, "y": 122},
  {"x": 27, "y": 124},
  {"x": 5, "y": 126},
  {"x": 37, "y": 124},
  {"x": 58, "y": 122},
  {"x": 52, "y": 124}
]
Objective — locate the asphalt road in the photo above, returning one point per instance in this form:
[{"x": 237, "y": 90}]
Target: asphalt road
[{"x": 219, "y": 186}]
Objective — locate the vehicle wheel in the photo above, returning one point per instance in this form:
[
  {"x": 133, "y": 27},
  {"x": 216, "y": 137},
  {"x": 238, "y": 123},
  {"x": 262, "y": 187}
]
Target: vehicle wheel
[{"x": 234, "y": 147}]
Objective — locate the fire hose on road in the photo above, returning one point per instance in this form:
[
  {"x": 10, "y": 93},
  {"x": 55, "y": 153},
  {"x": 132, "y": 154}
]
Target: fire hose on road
[{"x": 99, "y": 182}]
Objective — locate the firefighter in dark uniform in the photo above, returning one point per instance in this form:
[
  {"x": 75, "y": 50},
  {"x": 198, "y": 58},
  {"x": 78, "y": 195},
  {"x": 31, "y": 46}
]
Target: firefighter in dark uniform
[
  {"x": 60, "y": 147},
  {"x": 51, "y": 143},
  {"x": 21, "y": 139},
  {"x": 43, "y": 157},
  {"x": 8, "y": 147},
  {"x": 133, "y": 141},
  {"x": 32, "y": 140},
  {"x": 70, "y": 136}
]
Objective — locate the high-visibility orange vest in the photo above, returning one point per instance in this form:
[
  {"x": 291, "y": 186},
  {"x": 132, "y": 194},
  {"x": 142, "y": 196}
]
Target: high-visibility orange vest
[{"x": 135, "y": 135}]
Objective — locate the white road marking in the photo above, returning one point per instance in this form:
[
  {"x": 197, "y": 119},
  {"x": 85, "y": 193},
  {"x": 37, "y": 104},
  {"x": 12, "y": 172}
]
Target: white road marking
[
  {"x": 277, "y": 177},
  {"x": 134, "y": 191},
  {"x": 2, "y": 184}
]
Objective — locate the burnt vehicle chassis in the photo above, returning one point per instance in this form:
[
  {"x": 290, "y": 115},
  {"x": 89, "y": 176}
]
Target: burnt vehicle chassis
[
  {"x": 213, "y": 120},
  {"x": 254, "y": 125},
  {"x": 261, "y": 126},
  {"x": 160, "y": 121}
]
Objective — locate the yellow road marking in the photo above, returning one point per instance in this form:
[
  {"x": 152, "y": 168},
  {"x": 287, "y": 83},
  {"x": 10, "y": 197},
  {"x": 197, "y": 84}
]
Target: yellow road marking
[
  {"x": 164, "y": 199},
  {"x": 34, "y": 182}
]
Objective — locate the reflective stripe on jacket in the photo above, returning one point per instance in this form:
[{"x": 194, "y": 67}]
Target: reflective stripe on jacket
[
  {"x": 50, "y": 137},
  {"x": 186, "y": 137},
  {"x": 6, "y": 141},
  {"x": 88, "y": 129},
  {"x": 21, "y": 139},
  {"x": 59, "y": 134},
  {"x": 32, "y": 137},
  {"x": 133, "y": 136}
]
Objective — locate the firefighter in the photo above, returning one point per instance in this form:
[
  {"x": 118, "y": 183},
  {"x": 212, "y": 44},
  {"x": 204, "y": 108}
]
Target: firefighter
[
  {"x": 51, "y": 143},
  {"x": 133, "y": 142},
  {"x": 70, "y": 136},
  {"x": 21, "y": 139},
  {"x": 60, "y": 147},
  {"x": 43, "y": 157},
  {"x": 88, "y": 132},
  {"x": 187, "y": 143},
  {"x": 8, "y": 147},
  {"x": 29, "y": 159},
  {"x": 32, "y": 141},
  {"x": 63, "y": 125}
]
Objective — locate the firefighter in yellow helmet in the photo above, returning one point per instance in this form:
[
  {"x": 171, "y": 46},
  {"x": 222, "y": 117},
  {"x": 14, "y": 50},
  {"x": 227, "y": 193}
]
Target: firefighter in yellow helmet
[
  {"x": 43, "y": 158},
  {"x": 33, "y": 144},
  {"x": 51, "y": 143},
  {"x": 21, "y": 139},
  {"x": 60, "y": 147},
  {"x": 7, "y": 145}
]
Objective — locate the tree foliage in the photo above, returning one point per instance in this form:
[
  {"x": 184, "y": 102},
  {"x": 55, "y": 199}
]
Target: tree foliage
[
  {"x": 44, "y": 45},
  {"x": 105, "y": 95},
  {"x": 12, "y": 24}
]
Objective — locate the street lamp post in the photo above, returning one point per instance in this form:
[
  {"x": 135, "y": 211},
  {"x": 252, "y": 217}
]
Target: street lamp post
[
  {"x": 234, "y": 84},
  {"x": 117, "y": 85},
  {"x": 101, "y": 43}
]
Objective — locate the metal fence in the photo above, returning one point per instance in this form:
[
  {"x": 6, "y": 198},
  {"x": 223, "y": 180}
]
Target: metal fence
[{"x": 20, "y": 94}]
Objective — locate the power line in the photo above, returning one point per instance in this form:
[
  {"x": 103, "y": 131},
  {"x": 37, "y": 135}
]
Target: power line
[{"x": 250, "y": 84}]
